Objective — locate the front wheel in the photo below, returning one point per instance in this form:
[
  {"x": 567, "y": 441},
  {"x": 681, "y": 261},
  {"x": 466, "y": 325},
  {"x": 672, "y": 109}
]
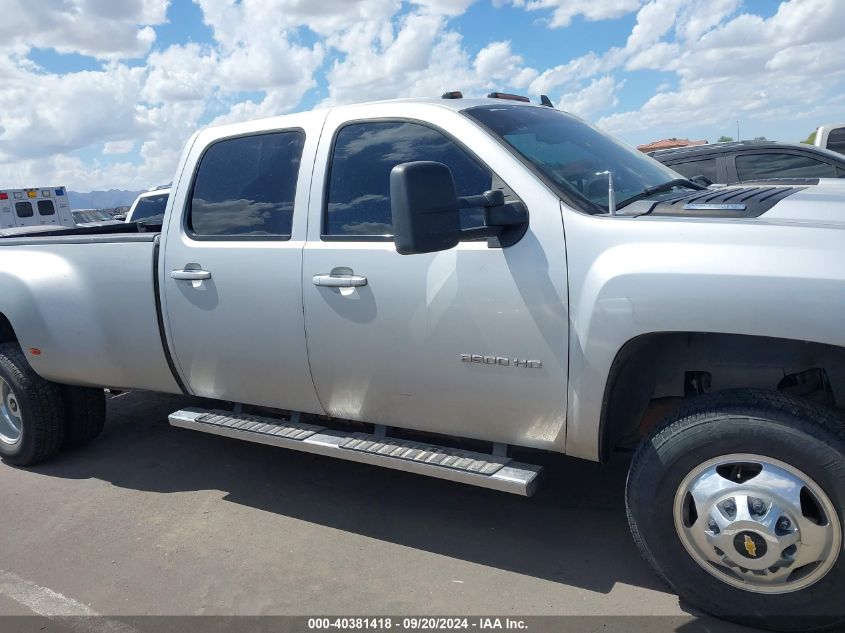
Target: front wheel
[{"x": 738, "y": 501}]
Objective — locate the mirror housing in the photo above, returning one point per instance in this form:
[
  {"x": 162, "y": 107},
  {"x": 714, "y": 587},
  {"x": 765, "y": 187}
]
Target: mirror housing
[{"x": 424, "y": 207}]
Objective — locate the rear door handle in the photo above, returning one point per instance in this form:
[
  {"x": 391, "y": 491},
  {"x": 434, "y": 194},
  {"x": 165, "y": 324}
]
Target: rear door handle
[
  {"x": 340, "y": 281},
  {"x": 190, "y": 275}
]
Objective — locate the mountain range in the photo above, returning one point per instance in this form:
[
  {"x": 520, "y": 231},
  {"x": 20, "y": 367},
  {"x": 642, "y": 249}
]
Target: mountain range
[{"x": 102, "y": 199}]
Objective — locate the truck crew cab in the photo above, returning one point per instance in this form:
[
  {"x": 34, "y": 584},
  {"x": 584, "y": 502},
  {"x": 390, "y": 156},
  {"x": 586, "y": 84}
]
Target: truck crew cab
[{"x": 387, "y": 282}]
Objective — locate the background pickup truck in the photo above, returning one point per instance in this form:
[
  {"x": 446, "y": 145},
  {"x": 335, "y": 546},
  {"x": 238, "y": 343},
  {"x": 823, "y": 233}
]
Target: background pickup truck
[{"x": 428, "y": 284}]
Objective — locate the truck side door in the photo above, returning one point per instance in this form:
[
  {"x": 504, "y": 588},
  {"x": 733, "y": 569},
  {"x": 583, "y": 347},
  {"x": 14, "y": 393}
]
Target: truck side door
[
  {"x": 231, "y": 272},
  {"x": 471, "y": 341}
]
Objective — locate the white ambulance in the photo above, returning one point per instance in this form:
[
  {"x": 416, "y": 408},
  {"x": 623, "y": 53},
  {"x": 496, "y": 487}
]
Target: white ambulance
[{"x": 34, "y": 207}]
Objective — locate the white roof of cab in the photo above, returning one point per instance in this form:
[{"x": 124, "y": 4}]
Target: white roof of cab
[{"x": 455, "y": 105}]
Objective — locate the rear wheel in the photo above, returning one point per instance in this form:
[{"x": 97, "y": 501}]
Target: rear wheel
[
  {"x": 31, "y": 411},
  {"x": 85, "y": 414},
  {"x": 738, "y": 502}
]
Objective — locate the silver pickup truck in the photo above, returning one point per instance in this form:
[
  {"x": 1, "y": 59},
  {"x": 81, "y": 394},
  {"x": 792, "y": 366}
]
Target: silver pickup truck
[{"x": 435, "y": 286}]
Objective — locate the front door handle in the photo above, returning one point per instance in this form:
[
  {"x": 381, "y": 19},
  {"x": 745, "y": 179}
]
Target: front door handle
[
  {"x": 340, "y": 281},
  {"x": 190, "y": 275}
]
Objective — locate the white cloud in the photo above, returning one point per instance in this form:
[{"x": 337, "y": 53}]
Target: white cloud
[
  {"x": 118, "y": 147},
  {"x": 106, "y": 29},
  {"x": 598, "y": 96},
  {"x": 730, "y": 66},
  {"x": 721, "y": 62},
  {"x": 564, "y": 10}
]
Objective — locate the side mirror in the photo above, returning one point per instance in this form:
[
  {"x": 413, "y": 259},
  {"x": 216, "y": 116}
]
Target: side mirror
[{"x": 424, "y": 207}]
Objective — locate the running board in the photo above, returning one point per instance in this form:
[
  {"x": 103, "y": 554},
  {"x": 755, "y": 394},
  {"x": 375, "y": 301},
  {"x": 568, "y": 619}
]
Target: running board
[{"x": 477, "y": 469}]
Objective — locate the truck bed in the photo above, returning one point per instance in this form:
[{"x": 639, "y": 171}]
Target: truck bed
[{"x": 85, "y": 306}]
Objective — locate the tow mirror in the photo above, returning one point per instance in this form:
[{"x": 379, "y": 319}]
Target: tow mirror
[{"x": 424, "y": 207}]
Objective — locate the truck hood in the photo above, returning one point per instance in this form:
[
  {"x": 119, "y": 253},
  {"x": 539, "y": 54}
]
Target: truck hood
[{"x": 822, "y": 203}]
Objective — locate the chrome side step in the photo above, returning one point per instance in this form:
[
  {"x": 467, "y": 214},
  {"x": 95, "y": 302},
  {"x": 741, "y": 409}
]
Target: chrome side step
[{"x": 477, "y": 469}]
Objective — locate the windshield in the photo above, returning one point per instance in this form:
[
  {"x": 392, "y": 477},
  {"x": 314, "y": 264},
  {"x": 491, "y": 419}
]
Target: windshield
[
  {"x": 571, "y": 154},
  {"x": 150, "y": 207}
]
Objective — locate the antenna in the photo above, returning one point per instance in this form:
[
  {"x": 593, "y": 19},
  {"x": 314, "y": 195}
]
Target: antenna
[
  {"x": 544, "y": 100},
  {"x": 611, "y": 193}
]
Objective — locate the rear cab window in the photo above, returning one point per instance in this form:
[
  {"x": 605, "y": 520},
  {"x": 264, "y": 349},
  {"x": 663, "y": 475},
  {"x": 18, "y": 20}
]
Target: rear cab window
[
  {"x": 150, "y": 207},
  {"x": 836, "y": 140},
  {"x": 358, "y": 185},
  {"x": 245, "y": 187}
]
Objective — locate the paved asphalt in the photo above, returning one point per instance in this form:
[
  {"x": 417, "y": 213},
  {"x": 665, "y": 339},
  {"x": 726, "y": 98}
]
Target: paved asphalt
[{"x": 154, "y": 520}]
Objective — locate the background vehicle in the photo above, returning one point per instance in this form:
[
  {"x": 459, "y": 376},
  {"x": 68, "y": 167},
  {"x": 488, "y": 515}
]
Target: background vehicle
[
  {"x": 34, "y": 207},
  {"x": 743, "y": 161},
  {"x": 832, "y": 137},
  {"x": 149, "y": 206},
  {"x": 429, "y": 285},
  {"x": 92, "y": 217}
]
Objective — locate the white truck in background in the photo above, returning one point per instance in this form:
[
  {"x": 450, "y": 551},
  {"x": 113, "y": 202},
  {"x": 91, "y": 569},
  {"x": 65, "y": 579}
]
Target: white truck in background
[
  {"x": 34, "y": 207},
  {"x": 150, "y": 205},
  {"x": 831, "y": 136}
]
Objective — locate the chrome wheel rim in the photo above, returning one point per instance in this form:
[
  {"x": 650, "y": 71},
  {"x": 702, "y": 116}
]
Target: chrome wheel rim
[
  {"x": 11, "y": 420},
  {"x": 757, "y": 523}
]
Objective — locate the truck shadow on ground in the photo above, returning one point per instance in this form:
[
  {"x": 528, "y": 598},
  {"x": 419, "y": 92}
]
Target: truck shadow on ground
[{"x": 572, "y": 531}]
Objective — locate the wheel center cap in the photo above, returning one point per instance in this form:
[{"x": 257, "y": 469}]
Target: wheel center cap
[{"x": 750, "y": 545}]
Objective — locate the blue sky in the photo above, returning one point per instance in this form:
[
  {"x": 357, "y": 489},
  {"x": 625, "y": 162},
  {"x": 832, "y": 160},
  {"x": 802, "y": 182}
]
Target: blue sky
[{"x": 109, "y": 92}]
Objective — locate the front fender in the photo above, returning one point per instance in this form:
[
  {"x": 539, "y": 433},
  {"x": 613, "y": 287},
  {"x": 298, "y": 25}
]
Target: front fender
[{"x": 634, "y": 276}]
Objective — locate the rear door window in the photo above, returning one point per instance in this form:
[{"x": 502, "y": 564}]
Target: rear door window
[
  {"x": 23, "y": 209},
  {"x": 245, "y": 187},
  {"x": 781, "y": 165},
  {"x": 45, "y": 207}
]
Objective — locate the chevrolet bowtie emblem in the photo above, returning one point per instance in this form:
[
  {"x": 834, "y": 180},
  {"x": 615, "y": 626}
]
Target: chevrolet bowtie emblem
[{"x": 750, "y": 546}]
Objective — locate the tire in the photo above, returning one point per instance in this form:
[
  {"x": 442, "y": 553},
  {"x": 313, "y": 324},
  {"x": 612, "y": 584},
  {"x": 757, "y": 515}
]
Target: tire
[
  {"x": 39, "y": 405},
  {"x": 85, "y": 414},
  {"x": 794, "y": 442}
]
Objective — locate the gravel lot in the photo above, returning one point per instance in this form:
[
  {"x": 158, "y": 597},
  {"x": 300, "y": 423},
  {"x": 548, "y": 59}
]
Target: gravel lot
[{"x": 152, "y": 520}]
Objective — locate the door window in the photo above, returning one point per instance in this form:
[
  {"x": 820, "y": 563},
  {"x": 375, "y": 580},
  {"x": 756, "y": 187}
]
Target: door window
[
  {"x": 693, "y": 168},
  {"x": 359, "y": 181},
  {"x": 45, "y": 207},
  {"x": 836, "y": 140},
  {"x": 23, "y": 209},
  {"x": 779, "y": 165},
  {"x": 245, "y": 187}
]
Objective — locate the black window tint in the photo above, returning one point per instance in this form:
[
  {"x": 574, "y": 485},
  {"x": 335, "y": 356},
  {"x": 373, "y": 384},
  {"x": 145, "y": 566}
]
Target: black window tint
[
  {"x": 150, "y": 207},
  {"x": 693, "y": 168},
  {"x": 836, "y": 140},
  {"x": 364, "y": 155},
  {"x": 246, "y": 186},
  {"x": 23, "y": 209},
  {"x": 774, "y": 165},
  {"x": 45, "y": 207}
]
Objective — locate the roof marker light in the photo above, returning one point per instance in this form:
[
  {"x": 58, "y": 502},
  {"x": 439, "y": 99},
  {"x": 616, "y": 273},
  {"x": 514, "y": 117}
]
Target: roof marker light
[
  {"x": 4, "y": 196},
  {"x": 60, "y": 192},
  {"x": 32, "y": 193},
  {"x": 507, "y": 96}
]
